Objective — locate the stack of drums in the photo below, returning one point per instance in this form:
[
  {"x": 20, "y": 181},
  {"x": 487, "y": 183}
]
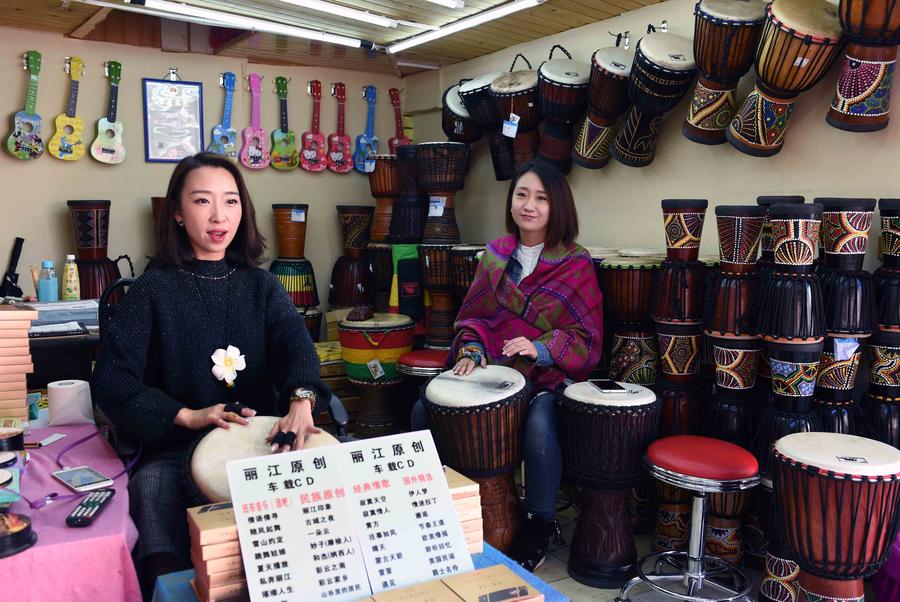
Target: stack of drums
[
  {"x": 384, "y": 182},
  {"x": 96, "y": 271},
  {"x": 849, "y": 298},
  {"x": 385, "y": 186},
  {"x": 887, "y": 277},
  {"x": 370, "y": 350},
  {"x": 726, "y": 34},
  {"x": 441, "y": 172},
  {"x": 562, "y": 88},
  {"x": 437, "y": 280},
  {"x": 862, "y": 99},
  {"x": 660, "y": 77},
  {"x": 604, "y": 437},
  {"x": 515, "y": 93},
  {"x": 800, "y": 41},
  {"x": 291, "y": 267},
  {"x": 791, "y": 323},
  {"x": 598, "y": 256},
  {"x": 607, "y": 100},
  {"x": 350, "y": 275},
  {"x": 479, "y": 102},
  {"x": 409, "y": 210},
  {"x": 456, "y": 121}
]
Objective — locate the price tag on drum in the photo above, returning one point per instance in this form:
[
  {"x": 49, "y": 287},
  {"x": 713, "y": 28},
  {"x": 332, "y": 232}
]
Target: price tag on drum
[
  {"x": 436, "y": 206},
  {"x": 370, "y": 165},
  {"x": 511, "y": 126},
  {"x": 375, "y": 369},
  {"x": 298, "y": 215}
]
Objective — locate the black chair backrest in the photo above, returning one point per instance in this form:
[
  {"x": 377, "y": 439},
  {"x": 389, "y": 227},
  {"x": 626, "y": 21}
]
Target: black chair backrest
[{"x": 108, "y": 309}]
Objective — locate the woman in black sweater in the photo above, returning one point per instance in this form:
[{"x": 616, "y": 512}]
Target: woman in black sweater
[{"x": 163, "y": 377}]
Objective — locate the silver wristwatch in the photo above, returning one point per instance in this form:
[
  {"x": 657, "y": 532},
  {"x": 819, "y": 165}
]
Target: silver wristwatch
[{"x": 304, "y": 393}]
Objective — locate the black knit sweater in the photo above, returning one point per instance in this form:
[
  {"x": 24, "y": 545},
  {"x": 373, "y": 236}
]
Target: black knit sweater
[{"x": 155, "y": 357}]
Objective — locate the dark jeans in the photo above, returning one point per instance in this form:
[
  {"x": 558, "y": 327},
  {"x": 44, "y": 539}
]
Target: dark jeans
[{"x": 542, "y": 454}]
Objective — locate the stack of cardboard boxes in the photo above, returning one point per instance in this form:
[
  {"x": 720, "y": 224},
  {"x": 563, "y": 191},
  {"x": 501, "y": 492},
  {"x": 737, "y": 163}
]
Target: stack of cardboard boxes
[
  {"x": 216, "y": 554},
  {"x": 15, "y": 360}
]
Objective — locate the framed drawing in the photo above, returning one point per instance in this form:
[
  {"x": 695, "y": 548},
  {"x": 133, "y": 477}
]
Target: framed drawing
[{"x": 173, "y": 119}]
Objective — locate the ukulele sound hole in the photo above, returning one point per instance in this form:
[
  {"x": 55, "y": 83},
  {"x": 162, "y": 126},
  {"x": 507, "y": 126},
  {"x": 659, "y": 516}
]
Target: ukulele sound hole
[
  {"x": 28, "y": 127},
  {"x": 255, "y": 141},
  {"x": 69, "y": 130},
  {"x": 110, "y": 133},
  {"x": 223, "y": 139}
]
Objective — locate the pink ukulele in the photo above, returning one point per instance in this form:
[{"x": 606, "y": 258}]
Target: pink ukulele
[{"x": 254, "y": 151}]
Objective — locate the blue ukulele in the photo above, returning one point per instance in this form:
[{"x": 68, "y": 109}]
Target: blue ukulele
[
  {"x": 366, "y": 144},
  {"x": 224, "y": 137}
]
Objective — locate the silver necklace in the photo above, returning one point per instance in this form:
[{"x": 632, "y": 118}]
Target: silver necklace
[{"x": 208, "y": 277}]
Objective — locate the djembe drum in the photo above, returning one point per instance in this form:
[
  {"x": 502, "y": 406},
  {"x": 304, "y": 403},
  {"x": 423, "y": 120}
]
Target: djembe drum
[
  {"x": 800, "y": 41},
  {"x": 838, "y": 368},
  {"x": 384, "y": 183},
  {"x": 660, "y": 77},
  {"x": 627, "y": 285},
  {"x": 477, "y": 424},
  {"x": 673, "y": 518},
  {"x": 607, "y": 100},
  {"x": 604, "y": 436},
  {"x": 726, "y": 34},
  {"x": 350, "y": 275},
  {"x": 291, "y": 268},
  {"x": 634, "y": 357},
  {"x": 381, "y": 269},
  {"x": 562, "y": 89},
  {"x": 436, "y": 277},
  {"x": 887, "y": 277},
  {"x": 478, "y": 100},
  {"x": 298, "y": 279},
  {"x": 464, "y": 260},
  {"x": 883, "y": 398},
  {"x": 313, "y": 320},
  {"x": 765, "y": 265},
  {"x": 837, "y": 499},
  {"x": 680, "y": 284},
  {"x": 408, "y": 220},
  {"x": 516, "y": 93},
  {"x": 862, "y": 100},
  {"x": 679, "y": 349},
  {"x": 96, "y": 271},
  {"x": 290, "y": 229},
  {"x": 456, "y": 122},
  {"x": 441, "y": 170}
]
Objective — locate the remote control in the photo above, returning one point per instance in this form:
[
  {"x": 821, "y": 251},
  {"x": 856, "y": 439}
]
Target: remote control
[{"x": 84, "y": 513}]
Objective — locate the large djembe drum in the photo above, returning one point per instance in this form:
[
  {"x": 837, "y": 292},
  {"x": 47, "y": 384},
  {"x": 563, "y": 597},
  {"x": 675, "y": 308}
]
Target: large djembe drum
[
  {"x": 660, "y": 77},
  {"x": 477, "y": 423},
  {"x": 96, "y": 271},
  {"x": 437, "y": 278},
  {"x": 862, "y": 100},
  {"x": 291, "y": 268},
  {"x": 477, "y": 98},
  {"x": 516, "y": 93},
  {"x": 350, "y": 275},
  {"x": 384, "y": 183},
  {"x": 456, "y": 122},
  {"x": 381, "y": 270},
  {"x": 441, "y": 170},
  {"x": 887, "y": 277},
  {"x": 298, "y": 279},
  {"x": 604, "y": 436},
  {"x": 800, "y": 41},
  {"x": 290, "y": 228},
  {"x": 726, "y": 33},
  {"x": 562, "y": 94},
  {"x": 837, "y": 499},
  {"x": 464, "y": 260}
]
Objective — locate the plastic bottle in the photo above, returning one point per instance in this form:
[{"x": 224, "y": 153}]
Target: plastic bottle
[
  {"x": 71, "y": 285},
  {"x": 48, "y": 285}
]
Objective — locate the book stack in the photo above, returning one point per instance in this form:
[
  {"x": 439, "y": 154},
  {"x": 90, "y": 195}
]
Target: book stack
[
  {"x": 467, "y": 501},
  {"x": 216, "y": 554},
  {"x": 15, "y": 359}
]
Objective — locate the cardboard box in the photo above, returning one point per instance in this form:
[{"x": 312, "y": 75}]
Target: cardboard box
[
  {"x": 468, "y": 508},
  {"x": 212, "y": 523},
  {"x": 216, "y": 565},
  {"x": 16, "y": 368},
  {"x": 18, "y": 312},
  {"x": 218, "y": 550},
  {"x": 496, "y": 583},
  {"x": 215, "y": 580},
  {"x": 473, "y": 537},
  {"x": 475, "y": 548},
  {"x": 206, "y": 595},
  {"x": 21, "y": 351},
  {"x": 430, "y": 591},
  {"x": 472, "y": 526},
  {"x": 460, "y": 486}
]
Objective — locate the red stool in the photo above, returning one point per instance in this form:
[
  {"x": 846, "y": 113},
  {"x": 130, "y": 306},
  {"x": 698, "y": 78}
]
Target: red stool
[
  {"x": 702, "y": 466},
  {"x": 417, "y": 367}
]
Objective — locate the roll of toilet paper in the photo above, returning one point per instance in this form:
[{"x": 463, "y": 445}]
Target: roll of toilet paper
[{"x": 69, "y": 402}]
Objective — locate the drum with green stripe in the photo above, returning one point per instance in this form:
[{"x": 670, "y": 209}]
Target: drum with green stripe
[{"x": 370, "y": 348}]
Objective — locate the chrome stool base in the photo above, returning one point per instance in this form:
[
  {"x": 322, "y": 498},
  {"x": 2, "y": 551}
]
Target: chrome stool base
[{"x": 667, "y": 574}]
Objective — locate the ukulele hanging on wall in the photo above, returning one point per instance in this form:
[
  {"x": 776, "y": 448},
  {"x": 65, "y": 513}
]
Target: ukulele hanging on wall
[
  {"x": 399, "y": 137},
  {"x": 255, "y": 151},
  {"x": 108, "y": 147},
  {"x": 25, "y": 141},
  {"x": 67, "y": 143},
  {"x": 284, "y": 143},
  {"x": 312, "y": 157},
  {"x": 224, "y": 137},
  {"x": 367, "y": 142},
  {"x": 340, "y": 157}
]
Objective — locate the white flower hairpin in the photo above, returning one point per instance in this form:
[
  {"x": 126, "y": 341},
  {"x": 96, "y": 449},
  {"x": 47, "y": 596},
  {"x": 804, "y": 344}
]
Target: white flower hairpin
[{"x": 227, "y": 363}]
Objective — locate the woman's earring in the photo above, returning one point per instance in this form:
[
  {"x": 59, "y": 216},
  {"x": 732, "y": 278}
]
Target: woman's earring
[{"x": 180, "y": 224}]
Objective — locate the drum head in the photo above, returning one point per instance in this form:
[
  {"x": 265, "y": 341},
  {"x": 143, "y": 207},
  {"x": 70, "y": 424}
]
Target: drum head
[
  {"x": 309, "y": 312},
  {"x": 668, "y": 50},
  {"x": 379, "y": 320},
  {"x": 453, "y": 102},
  {"x": 236, "y": 443},
  {"x": 619, "y": 262},
  {"x": 473, "y": 85},
  {"x": 566, "y": 72},
  {"x": 841, "y": 454},
  {"x": 379, "y": 246},
  {"x": 817, "y": 18},
  {"x": 615, "y": 59},
  {"x": 468, "y": 248},
  {"x": 735, "y": 10},
  {"x": 515, "y": 82},
  {"x": 482, "y": 387},
  {"x": 602, "y": 252},
  {"x": 642, "y": 252},
  {"x": 635, "y": 396}
]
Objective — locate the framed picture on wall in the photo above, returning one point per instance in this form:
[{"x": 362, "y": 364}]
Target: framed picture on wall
[{"x": 173, "y": 119}]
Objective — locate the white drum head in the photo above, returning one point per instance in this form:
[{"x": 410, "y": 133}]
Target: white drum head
[
  {"x": 478, "y": 82},
  {"x": 309, "y": 312},
  {"x": 635, "y": 395},
  {"x": 642, "y": 252},
  {"x": 735, "y": 10},
  {"x": 455, "y": 103},
  {"x": 464, "y": 248},
  {"x": 615, "y": 59},
  {"x": 817, "y": 18},
  {"x": 482, "y": 387},
  {"x": 515, "y": 82},
  {"x": 617, "y": 261},
  {"x": 379, "y": 320},
  {"x": 668, "y": 50},
  {"x": 566, "y": 71},
  {"x": 602, "y": 252},
  {"x": 841, "y": 454},
  {"x": 236, "y": 443}
]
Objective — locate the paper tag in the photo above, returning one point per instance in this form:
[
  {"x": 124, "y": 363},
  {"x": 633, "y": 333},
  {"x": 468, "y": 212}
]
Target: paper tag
[
  {"x": 370, "y": 165},
  {"x": 436, "y": 206},
  {"x": 511, "y": 126},
  {"x": 852, "y": 459},
  {"x": 298, "y": 215},
  {"x": 845, "y": 348},
  {"x": 375, "y": 369},
  {"x": 801, "y": 62},
  {"x": 52, "y": 439}
]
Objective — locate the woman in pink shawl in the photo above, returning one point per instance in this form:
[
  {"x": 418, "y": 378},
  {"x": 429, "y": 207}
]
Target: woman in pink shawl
[{"x": 535, "y": 306}]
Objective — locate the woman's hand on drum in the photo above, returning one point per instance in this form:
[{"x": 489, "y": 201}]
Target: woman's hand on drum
[
  {"x": 465, "y": 366},
  {"x": 216, "y": 415},
  {"x": 520, "y": 346},
  {"x": 290, "y": 432}
]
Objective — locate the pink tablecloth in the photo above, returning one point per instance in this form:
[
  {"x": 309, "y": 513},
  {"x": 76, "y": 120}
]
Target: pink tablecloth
[
  {"x": 886, "y": 582},
  {"x": 92, "y": 563}
]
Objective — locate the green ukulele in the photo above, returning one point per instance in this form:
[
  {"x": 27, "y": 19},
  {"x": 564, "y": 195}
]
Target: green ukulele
[{"x": 284, "y": 143}]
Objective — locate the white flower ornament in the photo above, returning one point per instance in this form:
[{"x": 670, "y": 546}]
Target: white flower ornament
[{"x": 227, "y": 363}]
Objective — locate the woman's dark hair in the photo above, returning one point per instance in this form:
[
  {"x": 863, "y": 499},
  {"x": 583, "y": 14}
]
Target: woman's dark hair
[
  {"x": 562, "y": 227},
  {"x": 173, "y": 245}
]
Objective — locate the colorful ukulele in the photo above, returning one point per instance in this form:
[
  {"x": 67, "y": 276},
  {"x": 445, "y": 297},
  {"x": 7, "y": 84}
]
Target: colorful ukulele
[
  {"x": 224, "y": 137},
  {"x": 367, "y": 143},
  {"x": 340, "y": 157},
  {"x": 67, "y": 143},
  {"x": 25, "y": 141},
  {"x": 312, "y": 156},
  {"x": 108, "y": 147},
  {"x": 284, "y": 143},
  {"x": 400, "y": 137},
  {"x": 255, "y": 150}
]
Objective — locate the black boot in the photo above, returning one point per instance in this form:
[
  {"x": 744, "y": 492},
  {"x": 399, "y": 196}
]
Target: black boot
[{"x": 532, "y": 541}]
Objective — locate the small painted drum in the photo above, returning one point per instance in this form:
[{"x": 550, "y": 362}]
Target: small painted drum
[
  {"x": 207, "y": 480},
  {"x": 407, "y": 168},
  {"x": 683, "y": 224},
  {"x": 90, "y": 222},
  {"x": 477, "y": 424},
  {"x": 800, "y": 41},
  {"x": 604, "y": 437},
  {"x": 464, "y": 261},
  {"x": 313, "y": 319},
  {"x": 562, "y": 86},
  {"x": 456, "y": 122},
  {"x": 290, "y": 228},
  {"x": 436, "y": 267},
  {"x": 723, "y": 526},
  {"x": 383, "y": 180},
  {"x": 370, "y": 348},
  {"x": 837, "y": 499},
  {"x": 350, "y": 282},
  {"x": 887, "y": 277},
  {"x": 838, "y": 369},
  {"x": 673, "y": 518},
  {"x": 477, "y": 98},
  {"x": 729, "y": 415},
  {"x": 740, "y": 229},
  {"x": 516, "y": 92},
  {"x": 298, "y": 279},
  {"x": 845, "y": 231},
  {"x": 726, "y": 34},
  {"x": 356, "y": 226},
  {"x": 408, "y": 220},
  {"x": 882, "y": 402},
  {"x": 765, "y": 265},
  {"x": 442, "y": 166},
  {"x": 679, "y": 350},
  {"x": 634, "y": 357},
  {"x": 627, "y": 285}
]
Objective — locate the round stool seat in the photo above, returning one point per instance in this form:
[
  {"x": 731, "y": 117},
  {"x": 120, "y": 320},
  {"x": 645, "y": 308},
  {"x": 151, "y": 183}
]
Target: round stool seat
[
  {"x": 702, "y": 464},
  {"x": 423, "y": 362}
]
